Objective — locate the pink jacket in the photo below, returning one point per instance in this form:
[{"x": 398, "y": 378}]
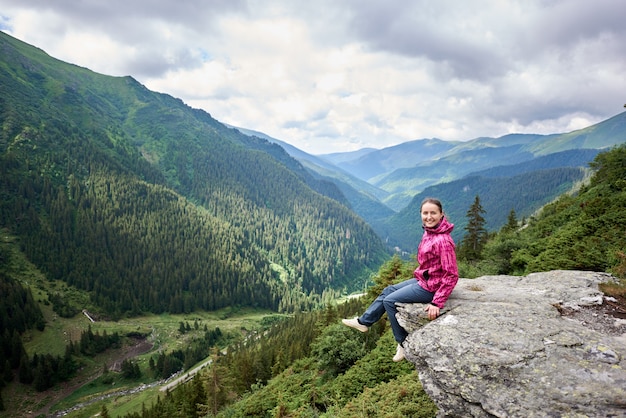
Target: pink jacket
[{"x": 437, "y": 271}]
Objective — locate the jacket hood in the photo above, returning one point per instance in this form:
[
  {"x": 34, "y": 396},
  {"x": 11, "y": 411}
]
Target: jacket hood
[{"x": 444, "y": 227}]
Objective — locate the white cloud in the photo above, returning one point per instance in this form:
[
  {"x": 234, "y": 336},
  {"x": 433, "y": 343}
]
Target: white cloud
[{"x": 328, "y": 76}]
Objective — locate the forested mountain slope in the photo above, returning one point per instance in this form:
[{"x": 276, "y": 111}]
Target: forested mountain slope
[
  {"x": 525, "y": 193},
  {"x": 363, "y": 198},
  {"x": 569, "y": 158},
  {"x": 523, "y": 187},
  {"x": 585, "y": 231},
  {"x": 153, "y": 206}
]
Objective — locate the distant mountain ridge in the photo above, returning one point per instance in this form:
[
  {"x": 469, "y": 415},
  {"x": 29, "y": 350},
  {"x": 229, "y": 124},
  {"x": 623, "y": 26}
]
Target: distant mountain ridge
[
  {"x": 458, "y": 159},
  {"x": 375, "y": 163}
]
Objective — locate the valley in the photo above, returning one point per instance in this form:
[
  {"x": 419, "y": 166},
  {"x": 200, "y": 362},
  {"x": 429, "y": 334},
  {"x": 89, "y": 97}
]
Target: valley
[
  {"x": 144, "y": 337},
  {"x": 88, "y": 388}
]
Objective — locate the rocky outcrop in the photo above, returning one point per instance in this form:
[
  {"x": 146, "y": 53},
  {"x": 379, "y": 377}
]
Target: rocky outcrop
[{"x": 535, "y": 346}]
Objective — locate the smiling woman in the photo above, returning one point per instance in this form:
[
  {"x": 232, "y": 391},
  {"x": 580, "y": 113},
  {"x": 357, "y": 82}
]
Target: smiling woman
[
  {"x": 433, "y": 280},
  {"x": 432, "y": 213}
]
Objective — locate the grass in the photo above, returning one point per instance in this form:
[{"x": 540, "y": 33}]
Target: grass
[
  {"x": 58, "y": 330},
  {"x": 616, "y": 290},
  {"x": 112, "y": 387},
  {"x": 124, "y": 405}
]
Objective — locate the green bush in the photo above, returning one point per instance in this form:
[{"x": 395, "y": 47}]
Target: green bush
[
  {"x": 399, "y": 398},
  {"x": 338, "y": 348}
]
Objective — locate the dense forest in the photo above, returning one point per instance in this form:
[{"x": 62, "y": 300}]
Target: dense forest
[
  {"x": 308, "y": 365},
  {"x": 590, "y": 225},
  {"x": 151, "y": 206}
]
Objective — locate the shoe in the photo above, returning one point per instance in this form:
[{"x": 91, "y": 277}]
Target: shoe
[
  {"x": 399, "y": 354},
  {"x": 354, "y": 323}
]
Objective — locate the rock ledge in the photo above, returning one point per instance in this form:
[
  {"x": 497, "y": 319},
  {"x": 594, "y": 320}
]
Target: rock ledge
[{"x": 533, "y": 346}]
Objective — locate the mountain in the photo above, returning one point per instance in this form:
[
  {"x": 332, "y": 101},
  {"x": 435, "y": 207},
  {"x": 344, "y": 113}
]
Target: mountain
[
  {"x": 362, "y": 197},
  {"x": 90, "y": 127},
  {"x": 523, "y": 187},
  {"x": 370, "y": 165},
  {"x": 411, "y": 167},
  {"x": 152, "y": 206},
  {"x": 402, "y": 183},
  {"x": 569, "y": 158},
  {"x": 518, "y": 171},
  {"x": 341, "y": 372}
]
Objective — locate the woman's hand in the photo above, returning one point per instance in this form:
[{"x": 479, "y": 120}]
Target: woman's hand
[{"x": 433, "y": 311}]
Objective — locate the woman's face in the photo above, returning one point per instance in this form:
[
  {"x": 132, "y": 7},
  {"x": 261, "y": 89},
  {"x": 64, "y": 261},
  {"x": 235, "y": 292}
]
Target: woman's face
[{"x": 431, "y": 215}]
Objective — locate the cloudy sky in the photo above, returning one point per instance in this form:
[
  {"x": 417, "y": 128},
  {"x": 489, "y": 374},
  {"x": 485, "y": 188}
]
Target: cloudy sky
[{"x": 339, "y": 75}]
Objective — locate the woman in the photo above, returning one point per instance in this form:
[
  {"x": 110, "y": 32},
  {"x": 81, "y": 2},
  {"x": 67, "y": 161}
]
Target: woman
[{"x": 433, "y": 280}]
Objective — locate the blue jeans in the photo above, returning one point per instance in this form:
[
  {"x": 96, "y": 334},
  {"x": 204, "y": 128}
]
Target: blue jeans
[{"x": 408, "y": 291}]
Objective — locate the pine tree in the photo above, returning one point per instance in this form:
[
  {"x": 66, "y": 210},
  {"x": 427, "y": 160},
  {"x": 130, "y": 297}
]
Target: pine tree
[
  {"x": 218, "y": 384},
  {"x": 26, "y": 372},
  {"x": 473, "y": 242},
  {"x": 7, "y": 375},
  {"x": 511, "y": 222},
  {"x": 197, "y": 397}
]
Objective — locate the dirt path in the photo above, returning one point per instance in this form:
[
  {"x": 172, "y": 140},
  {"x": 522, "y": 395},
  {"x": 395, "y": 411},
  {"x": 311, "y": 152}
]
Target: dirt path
[{"x": 186, "y": 377}]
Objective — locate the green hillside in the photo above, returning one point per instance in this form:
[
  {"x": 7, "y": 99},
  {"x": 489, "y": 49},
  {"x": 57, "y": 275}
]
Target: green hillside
[
  {"x": 363, "y": 198},
  {"x": 603, "y": 135},
  {"x": 152, "y": 206},
  {"x": 585, "y": 231}
]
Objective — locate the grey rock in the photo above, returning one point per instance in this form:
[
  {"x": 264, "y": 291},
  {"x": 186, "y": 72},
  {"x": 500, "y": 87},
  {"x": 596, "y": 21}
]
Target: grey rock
[{"x": 533, "y": 346}]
